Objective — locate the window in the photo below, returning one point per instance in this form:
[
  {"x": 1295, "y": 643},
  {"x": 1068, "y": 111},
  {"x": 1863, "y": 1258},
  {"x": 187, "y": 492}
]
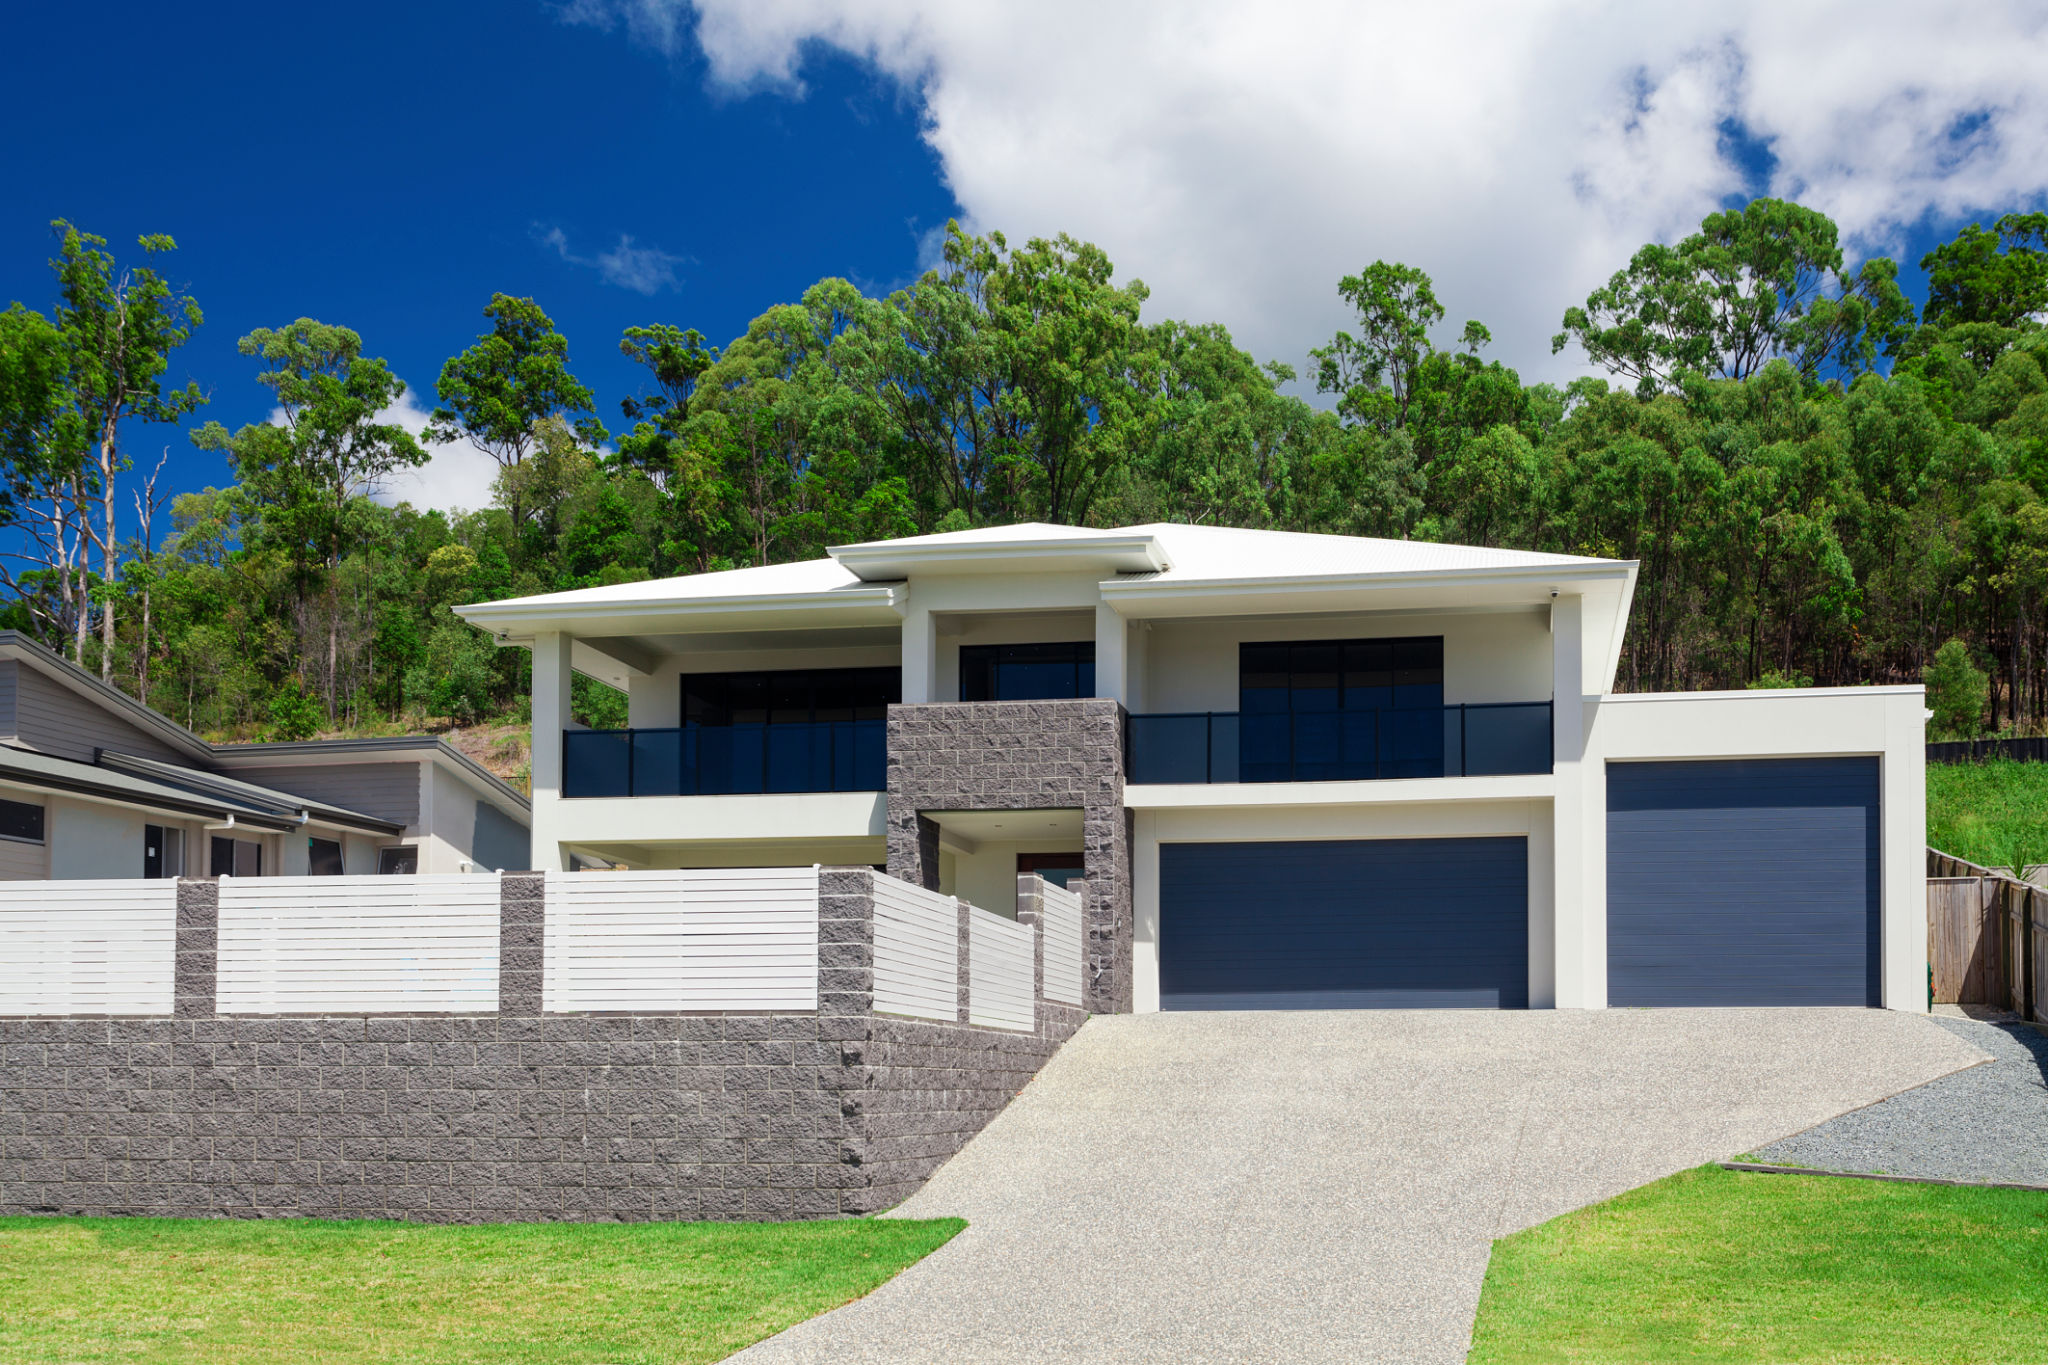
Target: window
[
  {"x": 163, "y": 851},
  {"x": 20, "y": 820},
  {"x": 1047, "y": 672},
  {"x": 1057, "y": 868},
  {"x": 401, "y": 860},
  {"x": 791, "y": 697},
  {"x": 1328, "y": 710},
  {"x": 323, "y": 857},
  {"x": 235, "y": 857}
]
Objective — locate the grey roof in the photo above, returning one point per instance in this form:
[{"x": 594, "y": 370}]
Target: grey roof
[
  {"x": 387, "y": 744},
  {"x": 182, "y": 796},
  {"x": 279, "y": 804}
]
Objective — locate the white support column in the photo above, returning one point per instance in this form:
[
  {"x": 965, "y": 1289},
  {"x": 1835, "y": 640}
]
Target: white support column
[
  {"x": 551, "y": 681},
  {"x": 1581, "y": 925},
  {"x": 1112, "y": 641},
  {"x": 920, "y": 653}
]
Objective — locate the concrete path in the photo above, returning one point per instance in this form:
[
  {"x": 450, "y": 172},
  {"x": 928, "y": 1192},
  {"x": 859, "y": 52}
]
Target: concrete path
[{"x": 1325, "y": 1186}]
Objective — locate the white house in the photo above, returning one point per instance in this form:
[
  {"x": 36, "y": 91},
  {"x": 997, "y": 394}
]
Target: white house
[{"x": 1293, "y": 770}]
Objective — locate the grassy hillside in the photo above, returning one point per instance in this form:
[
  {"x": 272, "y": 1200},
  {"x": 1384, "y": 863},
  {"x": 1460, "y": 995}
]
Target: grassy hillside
[{"x": 1994, "y": 813}]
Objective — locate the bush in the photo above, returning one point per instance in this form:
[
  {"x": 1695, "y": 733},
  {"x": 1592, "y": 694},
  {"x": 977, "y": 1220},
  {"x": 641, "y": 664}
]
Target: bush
[
  {"x": 293, "y": 714},
  {"x": 1957, "y": 691}
]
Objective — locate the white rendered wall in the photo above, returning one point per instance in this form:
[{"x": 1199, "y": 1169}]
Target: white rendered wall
[
  {"x": 1268, "y": 823},
  {"x": 780, "y": 816},
  {"x": 987, "y": 877},
  {"x": 1884, "y": 722},
  {"x": 1493, "y": 656}
]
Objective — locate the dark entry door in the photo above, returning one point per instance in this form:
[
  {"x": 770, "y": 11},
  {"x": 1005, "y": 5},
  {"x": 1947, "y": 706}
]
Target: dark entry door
[
  {"x": 1744, "y": 882},
  {"x": 1347, "y": 924}
]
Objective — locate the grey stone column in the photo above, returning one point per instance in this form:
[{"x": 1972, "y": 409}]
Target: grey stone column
[
  {"x": 195, "y": 972},
  {"x": 966, "y": 956},
  {"x": 846, "y": 952},
  {"x": 914, "y": 849},
  {"x": 522, "y": 924}
]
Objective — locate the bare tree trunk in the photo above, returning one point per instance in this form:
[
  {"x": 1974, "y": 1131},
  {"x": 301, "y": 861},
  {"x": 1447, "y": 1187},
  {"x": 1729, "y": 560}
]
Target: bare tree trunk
[{"x": 108, "y": 553}]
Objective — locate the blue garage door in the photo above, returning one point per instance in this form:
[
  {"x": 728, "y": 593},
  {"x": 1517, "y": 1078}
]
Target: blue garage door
[
  {"x": 1753, "y": 882},
  {"x": 1376, "y": 923}
]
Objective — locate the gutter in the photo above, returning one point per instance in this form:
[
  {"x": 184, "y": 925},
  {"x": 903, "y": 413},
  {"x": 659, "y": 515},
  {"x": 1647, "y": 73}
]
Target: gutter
[{"x": 147, "y": 800}]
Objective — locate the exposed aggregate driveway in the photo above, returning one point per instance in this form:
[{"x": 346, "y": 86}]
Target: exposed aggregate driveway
[{"x": 1326, "y": 1185}]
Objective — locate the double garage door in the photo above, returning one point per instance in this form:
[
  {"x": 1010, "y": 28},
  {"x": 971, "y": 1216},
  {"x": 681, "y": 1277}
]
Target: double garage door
[{"x": 1728, "y": 883}]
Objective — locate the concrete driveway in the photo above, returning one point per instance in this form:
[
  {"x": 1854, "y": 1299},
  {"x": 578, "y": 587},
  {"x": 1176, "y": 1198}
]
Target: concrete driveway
[{"x": 1325, "y": 1186}]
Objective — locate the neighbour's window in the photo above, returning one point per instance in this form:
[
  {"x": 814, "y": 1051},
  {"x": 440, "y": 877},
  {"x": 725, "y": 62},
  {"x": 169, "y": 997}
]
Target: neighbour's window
[
  {"x": 163, "y": 851},
  {"x": 235, "y": 857},
  {"x": 1057, "y": 868},
  {"x": 400, "y": 860},
  {"x": 20, "y": 820},
  {"x": 1341, "y": 675},
  {"x": 1046, "y": 672},
  {"x": 790, "y": 697},
  {"x": 323, "y": 857}
]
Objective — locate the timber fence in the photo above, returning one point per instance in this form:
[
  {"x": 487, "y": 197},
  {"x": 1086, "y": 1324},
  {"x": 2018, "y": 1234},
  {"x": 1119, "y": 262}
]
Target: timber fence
[{"x": 1987, "y": 937}]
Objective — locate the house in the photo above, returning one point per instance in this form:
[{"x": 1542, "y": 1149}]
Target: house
[
  {"x": 93, "y": 784},
  {"x": 1286, "y": 770}
]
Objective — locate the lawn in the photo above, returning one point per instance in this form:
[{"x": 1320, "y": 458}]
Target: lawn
[
  {"x": 1993, "y": 813},
  {"x": 225, "y": 1292},
  {"x": 1716, "y": 1266}
]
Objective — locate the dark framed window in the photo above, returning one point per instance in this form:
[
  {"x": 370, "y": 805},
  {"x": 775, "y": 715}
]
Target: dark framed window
[
  {"x": 400, "y": 860},
  {"x": 790, "y": 697},
  {"x": 163, "y": 851},
  {"x": 234, "y": 857},
  {"x": 323, "y": 857},
  {"x": 1045, "y": 672},
  {"x": 1057, "y": 868},
  {"x": 21, "y": 820},
  {"x": 1327, "y": 710}
]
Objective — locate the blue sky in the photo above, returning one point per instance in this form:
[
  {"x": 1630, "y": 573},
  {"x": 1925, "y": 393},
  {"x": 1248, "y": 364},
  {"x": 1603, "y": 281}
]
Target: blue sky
[
  {"x": 309, "y": 168},
  {"x": 696, "y": 161}
]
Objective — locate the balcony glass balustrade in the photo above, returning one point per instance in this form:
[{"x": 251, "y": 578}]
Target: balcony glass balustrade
[
  {"x": 721, "y": 760},
  {"x": 1336, "y": 746}
]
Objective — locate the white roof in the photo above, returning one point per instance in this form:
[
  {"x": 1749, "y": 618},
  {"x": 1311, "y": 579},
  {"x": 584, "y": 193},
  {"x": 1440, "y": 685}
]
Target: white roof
[{"x": 1224, "y": 553}]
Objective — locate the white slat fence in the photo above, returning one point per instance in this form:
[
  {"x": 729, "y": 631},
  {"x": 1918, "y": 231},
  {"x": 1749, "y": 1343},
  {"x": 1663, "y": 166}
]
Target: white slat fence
[
  {"x": 358, "y": 945},
  {"x": 1000, "y": 956},
  {"x": 88, "y": 947},
  {"x": 741, "y": 939},
  {"x": 1063, "y": 938},
  {"x": 917, "y": 951}
]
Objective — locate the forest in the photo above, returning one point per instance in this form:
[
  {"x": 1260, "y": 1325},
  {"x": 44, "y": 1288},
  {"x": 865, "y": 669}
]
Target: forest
[{"x": 1824, "y": 484}]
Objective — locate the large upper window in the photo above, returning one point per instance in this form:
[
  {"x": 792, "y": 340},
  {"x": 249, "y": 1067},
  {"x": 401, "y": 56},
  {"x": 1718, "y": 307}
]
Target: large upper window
[
  {"x": 1341, "y": 675},
  {"x": 791, "y": 697},
  {"x": 1027, "y": 672}
]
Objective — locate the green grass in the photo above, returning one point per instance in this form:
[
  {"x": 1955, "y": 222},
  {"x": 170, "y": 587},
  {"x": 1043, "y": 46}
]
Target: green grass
[
  {"x": 76, "y": 1290},
  {"x": 1993, "y": 813},
  {"x": 1716, "y": 1266}
]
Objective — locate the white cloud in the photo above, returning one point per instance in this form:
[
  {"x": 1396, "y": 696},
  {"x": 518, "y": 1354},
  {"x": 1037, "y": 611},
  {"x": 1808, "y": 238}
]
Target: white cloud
[
  {"x": 642, "y": 269},
  {"x": 1240, "y": 158},
  {"x": 456, "y": 477}
]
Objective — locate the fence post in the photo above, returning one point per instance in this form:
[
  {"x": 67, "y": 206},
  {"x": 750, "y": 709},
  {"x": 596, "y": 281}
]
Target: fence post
[
  {"x": 522, "y": 943},
  {"x": 195, "y": 971},
  {"x": 966, "y": 957},
  {"x": 1031, "y": 912}
]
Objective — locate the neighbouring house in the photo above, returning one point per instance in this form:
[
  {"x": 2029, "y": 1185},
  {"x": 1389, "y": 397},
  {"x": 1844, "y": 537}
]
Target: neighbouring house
[
  {"x": 93, "y": 784},
  {"x": 1293, "y": 770}
]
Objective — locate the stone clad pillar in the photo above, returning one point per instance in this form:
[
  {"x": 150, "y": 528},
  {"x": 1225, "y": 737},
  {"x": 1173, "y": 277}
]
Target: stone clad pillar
[{"x": 195, "y": 970}]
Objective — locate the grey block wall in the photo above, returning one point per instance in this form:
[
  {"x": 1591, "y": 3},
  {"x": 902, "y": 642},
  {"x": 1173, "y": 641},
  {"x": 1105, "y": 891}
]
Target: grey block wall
[
  {"x": 1023, "y": 755},
  {"x": 514, "y": 1116}
]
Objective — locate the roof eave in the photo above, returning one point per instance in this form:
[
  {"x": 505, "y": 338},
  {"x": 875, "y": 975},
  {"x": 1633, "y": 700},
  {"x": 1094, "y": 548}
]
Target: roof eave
[
  {"x": 523, "y": 615},
  {"x": 880, "y": 561}
]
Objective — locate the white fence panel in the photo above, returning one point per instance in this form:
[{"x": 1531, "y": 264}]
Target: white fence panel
[
  {"x": 700, "y": 939},
  {"x": 999, "y": 971},
  {"x": 359, "y": 945},
  {"x": 917, "y": 951},
  {"x": 88, "y": 947},
  {"x": 1063, "y": 939}
]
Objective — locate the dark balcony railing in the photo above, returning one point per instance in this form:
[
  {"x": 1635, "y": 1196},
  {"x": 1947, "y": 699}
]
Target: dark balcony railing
[
  {"x": 1336, "y": 746},
  {"x": 720, "y": 760}
]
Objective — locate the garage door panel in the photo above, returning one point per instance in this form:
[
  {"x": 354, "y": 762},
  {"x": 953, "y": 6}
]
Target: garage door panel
[
  {"x": 1394, "y": 923},
  {"x": 1754, "y": 882}
]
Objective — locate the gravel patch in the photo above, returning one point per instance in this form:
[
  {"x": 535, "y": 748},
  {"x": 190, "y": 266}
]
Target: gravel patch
[{"x": 1987, "y": 1124}]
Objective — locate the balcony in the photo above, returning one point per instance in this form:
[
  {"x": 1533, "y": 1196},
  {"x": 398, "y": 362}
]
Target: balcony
[
  {"x": 1340, "y": 746},
  {"x": 723, "y": 760}
]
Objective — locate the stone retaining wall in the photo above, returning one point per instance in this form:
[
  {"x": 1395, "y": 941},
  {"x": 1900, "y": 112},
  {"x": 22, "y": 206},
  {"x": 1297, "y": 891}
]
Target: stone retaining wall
[{"x": 510, "y": 1116}]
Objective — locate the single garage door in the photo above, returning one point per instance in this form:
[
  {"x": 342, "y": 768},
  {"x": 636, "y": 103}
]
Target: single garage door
[
  {"x": 1373, "y": 923},
  {"x": 1751, "y": 882}
]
